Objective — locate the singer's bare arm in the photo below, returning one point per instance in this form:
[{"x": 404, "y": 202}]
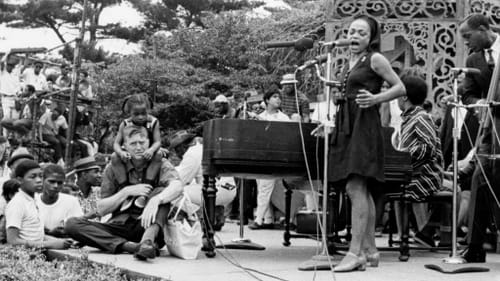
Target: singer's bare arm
[{"x": 383, "y": 68}]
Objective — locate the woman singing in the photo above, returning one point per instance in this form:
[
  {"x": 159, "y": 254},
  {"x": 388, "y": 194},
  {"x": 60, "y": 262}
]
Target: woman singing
[{"x": 357, "y": 146}]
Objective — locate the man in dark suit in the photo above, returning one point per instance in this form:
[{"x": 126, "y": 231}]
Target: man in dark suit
[{"x": 485, "y": 45}]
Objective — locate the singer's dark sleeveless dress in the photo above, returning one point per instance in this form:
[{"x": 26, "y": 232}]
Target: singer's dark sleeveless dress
[{"x": 357, "y": 144}]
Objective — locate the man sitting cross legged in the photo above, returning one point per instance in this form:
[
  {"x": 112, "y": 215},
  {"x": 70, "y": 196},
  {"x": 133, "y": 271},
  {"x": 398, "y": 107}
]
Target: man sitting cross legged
[{"x": 131, "y": 229}]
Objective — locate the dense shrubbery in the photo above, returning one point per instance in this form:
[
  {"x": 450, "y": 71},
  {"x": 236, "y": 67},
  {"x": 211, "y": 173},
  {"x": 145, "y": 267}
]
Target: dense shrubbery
[
  {"x": 26, "y": 264},
  {"x": 182, "y": 72}
]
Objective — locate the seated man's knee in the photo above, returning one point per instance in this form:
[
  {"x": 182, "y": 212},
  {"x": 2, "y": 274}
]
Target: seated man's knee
[{"x": 73, "y": 225}]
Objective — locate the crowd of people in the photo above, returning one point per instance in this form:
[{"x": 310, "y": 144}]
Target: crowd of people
[
  {"x": 121, "y": 203},
  {"x": 32, "y": 112}
]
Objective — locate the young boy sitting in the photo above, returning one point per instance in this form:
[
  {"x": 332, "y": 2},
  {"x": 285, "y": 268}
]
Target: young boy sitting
[
  {"x": 23, "y": 223},
  {"x": 418, "y": 136},
  {"x": 56, "y": 207}
]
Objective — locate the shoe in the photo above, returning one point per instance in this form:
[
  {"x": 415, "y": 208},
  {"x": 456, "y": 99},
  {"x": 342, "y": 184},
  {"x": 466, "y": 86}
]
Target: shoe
[
  {"x": 424, "y": 240},
  {"x": 373, "y": 259},
  {"x": 351, "y": 262},
  {"x": 256, "y": 226},
  {"x": 474, "y": 255},
  {"x": 147, "y": 250}
]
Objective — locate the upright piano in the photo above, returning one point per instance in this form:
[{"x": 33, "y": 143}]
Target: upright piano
[{"x": 268, "y": 149}]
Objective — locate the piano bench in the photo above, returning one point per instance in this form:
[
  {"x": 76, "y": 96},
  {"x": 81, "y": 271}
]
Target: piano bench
[{"x": 404, "y": 246}]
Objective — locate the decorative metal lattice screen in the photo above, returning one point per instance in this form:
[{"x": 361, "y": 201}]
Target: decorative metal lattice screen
[{"x": 416, "y": 33}]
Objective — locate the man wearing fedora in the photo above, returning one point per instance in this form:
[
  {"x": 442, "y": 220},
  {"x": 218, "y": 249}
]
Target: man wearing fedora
[
  {"x": 89, "y": 178},
  {"x": 189, "y": 148},
  {"x": 134, "y": 230},
  {"x": 288, "y": 100}
]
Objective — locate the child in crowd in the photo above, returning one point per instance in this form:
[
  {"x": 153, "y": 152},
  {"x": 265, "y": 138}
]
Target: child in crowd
[
  {"x": 9, "y": 189},
  {"x": 50, "y": 125},
  {"x": 418, "y": 135},
  {"x": 263, "y": 215},
  {"x": 137, "y": 107},
  {"x": 56, "y": 207},
  {"x": 23, "y": 223}
]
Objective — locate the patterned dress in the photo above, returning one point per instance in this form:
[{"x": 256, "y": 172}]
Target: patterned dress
[{"x": 419, "y": 136}]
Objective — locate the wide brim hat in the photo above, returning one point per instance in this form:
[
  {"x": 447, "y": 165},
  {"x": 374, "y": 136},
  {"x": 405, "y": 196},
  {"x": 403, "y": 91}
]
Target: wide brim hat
[
  {"x": 20, "y": 153},
  {"x": 179, "y": 138},
  {"x": 85, "y": 164},
  {"x": 288, "y": 79}
]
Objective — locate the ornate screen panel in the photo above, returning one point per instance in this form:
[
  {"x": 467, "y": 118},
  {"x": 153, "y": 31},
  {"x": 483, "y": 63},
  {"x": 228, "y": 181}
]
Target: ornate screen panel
[{"x": 422, "y": 34}]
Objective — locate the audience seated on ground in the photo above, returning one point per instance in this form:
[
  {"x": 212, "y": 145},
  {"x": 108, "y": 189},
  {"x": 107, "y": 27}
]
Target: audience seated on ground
[
  {"x": 56, "y": 207},
  {"x": 88, "y": 182},
  {"x": 23, "y": 223},
  {"x": 189, "y": 148},
  {"x": 131, "y": 228},
  {"x": 9, "y": 189},
  {"x": 418, "y": 136}
]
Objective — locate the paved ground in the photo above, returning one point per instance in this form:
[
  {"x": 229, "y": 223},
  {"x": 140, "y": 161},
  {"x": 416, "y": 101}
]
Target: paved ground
[{"x": 282, "y": 262}]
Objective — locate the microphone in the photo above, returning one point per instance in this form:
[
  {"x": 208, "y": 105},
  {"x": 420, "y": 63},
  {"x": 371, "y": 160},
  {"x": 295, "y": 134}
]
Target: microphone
[
  {"x": 466, "y": 70},
  {"x": 317, "y": 60},
  {"x": 300, "y": 45},
  {"x": 337, "y": 43}
]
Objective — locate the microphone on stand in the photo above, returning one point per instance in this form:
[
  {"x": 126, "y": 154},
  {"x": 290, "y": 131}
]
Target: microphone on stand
[
  {"x": 317, "y": 60},
  {"x": 466, "y": 70},
  {"x": 337, "y": 43},
  {"x": 300, "y": 45}
]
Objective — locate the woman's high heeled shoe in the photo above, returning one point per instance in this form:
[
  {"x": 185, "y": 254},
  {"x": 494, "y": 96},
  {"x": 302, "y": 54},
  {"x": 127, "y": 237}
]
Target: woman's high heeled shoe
[
  {"x": 373, "y": 259},
  {"x": 351, "y": 262}
]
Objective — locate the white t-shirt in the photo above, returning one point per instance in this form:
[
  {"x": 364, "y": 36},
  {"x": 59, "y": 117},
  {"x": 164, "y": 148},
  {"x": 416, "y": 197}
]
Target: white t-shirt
[
  {"x": 51, "y": 127},
  {"x": 38, "y": 81},
  {"x": 55, "y": 215},
  {"x": 278, "y": 116},
  {"x": 9, "y": 83},
  {"x": 190, "y": 167},
  {"x": 22, "y": 213}
]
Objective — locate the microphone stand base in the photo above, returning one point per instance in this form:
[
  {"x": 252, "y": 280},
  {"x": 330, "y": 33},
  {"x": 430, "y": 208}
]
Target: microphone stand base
[
  {"x": 241, "y": 244},
  {"x": 454, "y": 260}
]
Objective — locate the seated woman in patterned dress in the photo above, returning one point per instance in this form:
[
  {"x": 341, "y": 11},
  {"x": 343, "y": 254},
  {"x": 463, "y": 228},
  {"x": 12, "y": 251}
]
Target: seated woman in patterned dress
[{"x": 418, "y": 135}]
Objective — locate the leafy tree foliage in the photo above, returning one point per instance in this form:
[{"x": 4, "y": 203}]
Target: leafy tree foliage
[{"x": 41, "y": 13}]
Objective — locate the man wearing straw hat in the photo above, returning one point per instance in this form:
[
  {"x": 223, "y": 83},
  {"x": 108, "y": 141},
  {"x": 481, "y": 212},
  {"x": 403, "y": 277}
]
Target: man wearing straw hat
[
  {"x": 289, "y": 100},
  {"x": 133, "y": 230}
]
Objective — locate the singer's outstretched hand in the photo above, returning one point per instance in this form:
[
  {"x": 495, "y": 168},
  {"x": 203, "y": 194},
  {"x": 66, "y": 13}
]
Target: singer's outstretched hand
[{"x": 366, "y": 99}]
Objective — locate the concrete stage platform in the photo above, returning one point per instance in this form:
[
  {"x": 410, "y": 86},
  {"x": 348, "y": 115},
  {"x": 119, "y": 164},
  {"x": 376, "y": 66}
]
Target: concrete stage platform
[{"x": 282, "y": 262}]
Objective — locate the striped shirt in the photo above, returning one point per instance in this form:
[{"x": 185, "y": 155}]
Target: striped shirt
[
  {"x": 419, "y": 136},
  {"x": 289, "y": 104}
]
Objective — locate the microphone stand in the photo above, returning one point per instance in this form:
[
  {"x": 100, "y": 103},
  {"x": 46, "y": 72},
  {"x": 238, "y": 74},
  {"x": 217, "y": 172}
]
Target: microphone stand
[
  {"x": 454, "y": 261},
  {"x": 323, "y": 261},
  {"x": 242, "y": 243}
]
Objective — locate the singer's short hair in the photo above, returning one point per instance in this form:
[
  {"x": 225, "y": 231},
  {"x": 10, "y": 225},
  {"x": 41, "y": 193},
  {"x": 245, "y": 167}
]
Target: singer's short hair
[
  {"x": 273, "y": 89},
  {"x": 374, "y": 43},
  {"x": 416, "y": 89},
  {"x": 474, "y": 21}
]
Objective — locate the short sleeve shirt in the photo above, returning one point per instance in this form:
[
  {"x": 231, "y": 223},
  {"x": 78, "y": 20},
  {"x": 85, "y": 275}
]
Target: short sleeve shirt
[
  {"x": 56, "y": 215},
  {"x": 22, "y": 213}
]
